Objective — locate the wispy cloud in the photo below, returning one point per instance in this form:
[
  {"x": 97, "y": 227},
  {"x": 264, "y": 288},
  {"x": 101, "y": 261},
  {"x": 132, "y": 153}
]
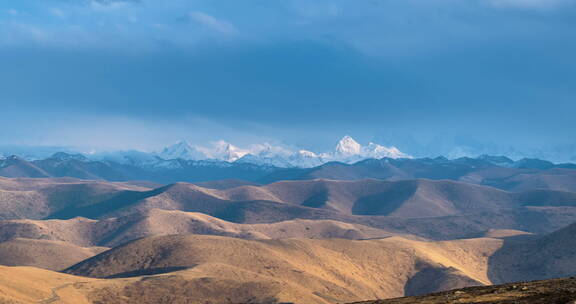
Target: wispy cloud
[
  {"x": 375, "y": 25},
  {"x": 212, "y": 22}
]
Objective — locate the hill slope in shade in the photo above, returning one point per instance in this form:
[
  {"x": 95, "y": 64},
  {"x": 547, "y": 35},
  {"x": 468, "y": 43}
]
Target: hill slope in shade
[
  {"x": 426, "y": 208},
  {"x": 412, "y": 199},
  {"x": 115, "y": 231},
  {"x": 551, "y": 256}
]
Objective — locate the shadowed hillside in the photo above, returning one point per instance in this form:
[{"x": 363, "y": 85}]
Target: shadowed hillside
[
  {"x": 426, "y": 208},
  {"x": 409, "y": 199},
  {"x": 548, "y": 257}
]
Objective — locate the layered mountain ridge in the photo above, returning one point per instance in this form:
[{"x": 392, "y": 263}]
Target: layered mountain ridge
[
  {"x": 499, "y": 172},
  {"x": 347, "y": 150}
]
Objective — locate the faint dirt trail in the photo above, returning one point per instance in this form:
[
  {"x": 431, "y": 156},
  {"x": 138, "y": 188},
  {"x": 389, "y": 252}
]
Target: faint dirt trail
[{"x": 54, "y": 296}]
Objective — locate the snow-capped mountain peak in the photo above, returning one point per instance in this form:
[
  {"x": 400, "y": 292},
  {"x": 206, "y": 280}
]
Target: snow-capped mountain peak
[
  {"x": 347, "y": 150},
  {"x": 183, "y": 150},
  {"x": 226, "y": 151},
  {"x": 347, "y": 146},
  {"x": 373, "y": 150}
]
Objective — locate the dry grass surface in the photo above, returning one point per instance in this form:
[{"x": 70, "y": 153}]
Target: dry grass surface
[
  {"x": 558, "y": 291},
  {"x": 32, "y": 285},
  {"x": 426, "y": 208},
  {"x": 215, "y": 269},
  {"x": 296, "y": 270},
  {"x": 356, "y": 242},
  {"x": 37, "y": 198},
  {"x": 53, "y": 255},
  {"x": 115, "y": 231}
]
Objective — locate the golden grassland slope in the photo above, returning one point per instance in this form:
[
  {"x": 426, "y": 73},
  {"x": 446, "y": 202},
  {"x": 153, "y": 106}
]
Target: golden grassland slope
[
  {"x": 24, "y": 285},
  {"x": 115, "y": 231},
  {"x": 53, "y": 255},
  {"x": 78, "y": 231},
  {"x": 200, "y": 269},
  {"x": 303, "y": 270},
  {"x": 27, "y": 285},
  {"x": 165, "y": 222}
]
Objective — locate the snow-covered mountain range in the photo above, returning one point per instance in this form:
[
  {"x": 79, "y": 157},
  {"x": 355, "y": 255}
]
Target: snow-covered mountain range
[
  {"x": 347, "y": 150},
  {"x": 224, "y": 154}
]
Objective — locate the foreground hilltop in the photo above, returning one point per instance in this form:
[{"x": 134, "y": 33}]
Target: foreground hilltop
[
  {"x": 212, "y": 269},
  {"x": 557, "y": 291},
  {"x": 200, "y": 269}
]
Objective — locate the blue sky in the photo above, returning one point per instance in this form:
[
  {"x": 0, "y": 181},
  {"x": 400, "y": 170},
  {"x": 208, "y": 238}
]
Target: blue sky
[{"x": 428, "y": 76}]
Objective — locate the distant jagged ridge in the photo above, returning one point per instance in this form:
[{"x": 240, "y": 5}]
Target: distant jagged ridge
[
  {"x": 496, "y": 171},
  {"x": 347, "y": 150}
]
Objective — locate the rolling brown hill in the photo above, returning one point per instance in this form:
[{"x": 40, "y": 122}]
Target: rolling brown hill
[
  {"x": 53, "y": 255},
  {"x": 431, "y": 209},
  {"x": 39, "y": 198},
  {"x": 200, "y": 269},
  {"x": 346, "y": 268},
  {"x": 411, "y": 199},
  {"x": 115, "y": 231},
  {"x": 426, "y": 208},
  {"x": 111, "y": 232},
  {"x": 303, "y": 270}
]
